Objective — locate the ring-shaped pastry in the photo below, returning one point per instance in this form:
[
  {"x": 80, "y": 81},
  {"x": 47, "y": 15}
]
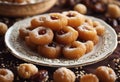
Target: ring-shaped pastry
[
  {"x": 89, "y": 46},
  {"x": 86, "y": 32},
  {"x": 36, "y": 22},
  {"x": 75, "y": 50},
  {"x": 55, "y": 21},
  {"x": 52, "y": 50},
  {"x": 99, "y": 28},
  {"x": 41, "y": 35},
  {"x": 75, "y": 19},
  {"x": 66, "y": 35},
  {"x": 88, "y": 21}
]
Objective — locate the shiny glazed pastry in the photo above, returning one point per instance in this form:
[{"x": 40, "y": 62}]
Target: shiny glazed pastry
[
  {"x": 75, "y": 50},
  {"x": 52, "y": 50},
  {"x": 67, "y": 30},
  {"x": 86, "y": 32},
  {"x": 89, "y": 46},
  {"x": 55, "y": 21},
  {"x": 99, "y": 28},
  {"x": 75, "y": 19},
  {"x": 41, "y": 35},
  {"x": 66, "y": 35}
]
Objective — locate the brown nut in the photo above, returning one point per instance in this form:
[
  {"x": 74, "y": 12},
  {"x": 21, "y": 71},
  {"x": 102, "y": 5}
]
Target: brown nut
[
  {"x": 6, "y": 75},
  {"x": 3, "y": 28},
  {"x": 105, "y": 74},
  {"x": 89, "y": 78},
  {"x": 27, "y": 70},
  {"x": 81, "y": 8},
  {"x": 64, "y": 75}
]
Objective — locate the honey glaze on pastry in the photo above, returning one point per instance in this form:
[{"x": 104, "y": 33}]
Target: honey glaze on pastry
[
  {"x": 66, "y": 35},
  {"x": 41, "y": 35},
  {"x": 6, "y": 75},
  {"x": 89, "y": 46},
  {"x": 55, "y": 35},
  {"x": 88, "y": 21},
  {"x": 105, "y": 74},
  {"x": 52, "y": 50},
  {"x": 75, "y": 50},
  {"x": 75, "y": 19},
  {"x": 89, "y": 78},
  {"x": 36, "y": 22},
  {"x": 96, "y": 40},
  {"x": 99, "y": 28},
  {"x": 64, "y": 75},
  {"x": 55, "y": 21},
  {"x": 86, "y": 32}
]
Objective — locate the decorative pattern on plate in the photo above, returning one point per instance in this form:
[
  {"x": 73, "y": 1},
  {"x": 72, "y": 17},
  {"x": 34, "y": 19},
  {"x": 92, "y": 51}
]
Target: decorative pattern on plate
[{"x": 102, "y": 50}]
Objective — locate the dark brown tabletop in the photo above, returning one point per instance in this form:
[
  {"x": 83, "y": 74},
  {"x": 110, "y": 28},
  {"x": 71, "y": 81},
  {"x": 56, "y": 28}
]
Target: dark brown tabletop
[{"x": 7, "y": 60}]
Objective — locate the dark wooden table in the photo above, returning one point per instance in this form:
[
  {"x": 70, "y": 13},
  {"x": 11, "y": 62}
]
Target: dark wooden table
[{"x": 7, "y": 60}]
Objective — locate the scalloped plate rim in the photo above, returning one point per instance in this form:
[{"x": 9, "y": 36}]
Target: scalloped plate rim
[{"x": 16, "y": 54}]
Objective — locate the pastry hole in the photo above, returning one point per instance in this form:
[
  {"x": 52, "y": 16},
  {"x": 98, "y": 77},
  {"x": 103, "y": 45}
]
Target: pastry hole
[
  {"x": 71, "y": 15},
  {"x": 42, "y": 32},
  {"x": 61, "y": 32},
  {"x": 54, "y": 17}
]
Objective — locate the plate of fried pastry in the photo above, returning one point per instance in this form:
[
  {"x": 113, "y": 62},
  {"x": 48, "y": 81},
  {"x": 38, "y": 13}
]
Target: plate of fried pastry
[{"x": 67, "y": 39}]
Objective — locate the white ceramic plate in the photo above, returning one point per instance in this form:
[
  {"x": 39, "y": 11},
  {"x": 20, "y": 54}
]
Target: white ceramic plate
[{"x": 102, "y": 50}]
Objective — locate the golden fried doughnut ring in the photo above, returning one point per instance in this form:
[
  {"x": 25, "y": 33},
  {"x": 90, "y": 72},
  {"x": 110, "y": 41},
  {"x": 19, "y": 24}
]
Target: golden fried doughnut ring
[
  {"x": 52, "y": 50},
  {"x": 6, "y": 75},
  {"x": 75, "y": 50},
  {"x": 41, "y": 35},
  {"x": 89, "y": 46},
  {"x": 86, "y": 32},
  {"x": 96, "y": 40},
  {"x": 88, "y": 21},
  {"x": 24, "y": 31},
  {"x": 36, "y": 22},
  {"x": 55, "y": 21},
  {"x": 99, "y": 28},
  {"x": 75, "y": 19},
  {"x": 66, "y": 35}
]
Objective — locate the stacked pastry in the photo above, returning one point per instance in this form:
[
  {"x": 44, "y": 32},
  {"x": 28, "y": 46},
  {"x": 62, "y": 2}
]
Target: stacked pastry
[{"x": 68, "y": 34}]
